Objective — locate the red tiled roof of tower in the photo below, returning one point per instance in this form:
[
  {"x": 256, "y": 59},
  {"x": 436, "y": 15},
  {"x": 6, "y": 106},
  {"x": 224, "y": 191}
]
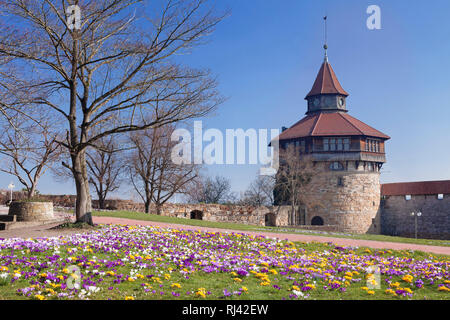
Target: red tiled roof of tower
[
  {"x": 416, "y": 188},
  {"x": 330, "y": 124},
  {"x": 326, "y": 82}
]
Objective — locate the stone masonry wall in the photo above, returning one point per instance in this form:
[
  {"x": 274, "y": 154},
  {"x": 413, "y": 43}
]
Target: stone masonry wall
[
  {"x": 31, "y": 211},
  {"x": 352, "y": 207},
  {"x": 208, "y": 212},
  {"x": 217, "y": 213},
  {"x": 396, "y": 218}
]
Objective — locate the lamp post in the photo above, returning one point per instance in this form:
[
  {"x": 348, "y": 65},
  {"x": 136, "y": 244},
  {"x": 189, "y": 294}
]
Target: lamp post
[
  {"x": 415, "y": 215},
  {"x": 11, "y": 186}
]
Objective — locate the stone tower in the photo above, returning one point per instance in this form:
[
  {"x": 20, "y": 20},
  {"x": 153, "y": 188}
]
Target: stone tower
[{"x": 347, "y": 156}]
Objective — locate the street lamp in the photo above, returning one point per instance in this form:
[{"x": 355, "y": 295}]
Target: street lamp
[
  {"x": 11, "y": 186},
  {"x": 415, "y": 215}
]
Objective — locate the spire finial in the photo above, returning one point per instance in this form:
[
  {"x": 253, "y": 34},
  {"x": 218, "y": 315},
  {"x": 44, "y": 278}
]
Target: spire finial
[{"x": 325, "y": 46}]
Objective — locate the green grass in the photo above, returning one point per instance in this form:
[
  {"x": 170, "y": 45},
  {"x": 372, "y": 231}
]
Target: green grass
[{"x": 244, "y": 227}]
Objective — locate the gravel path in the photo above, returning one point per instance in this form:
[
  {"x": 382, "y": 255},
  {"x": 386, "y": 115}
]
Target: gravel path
[
  {"x": 37, "y": 231},
  {"x": 43, "y": 231},
  {"x": 283, "y": 236}
]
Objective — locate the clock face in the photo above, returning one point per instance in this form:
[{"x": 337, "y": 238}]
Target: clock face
[{"x": 316, "y": 102}]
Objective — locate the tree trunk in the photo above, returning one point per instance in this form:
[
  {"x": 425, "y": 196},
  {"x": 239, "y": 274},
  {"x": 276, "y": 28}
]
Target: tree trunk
[
  {"x": 31, "y": 192},
  {"x": 101, "y": 195},
  {"x": 158, "y": 209},
  {"x": 101, "y": 203},
  {"x": 147, "y": 206},
  {"x": 83, "y": 205},
  {"x": 305, "y": 212},
  {"x": 293, "y": 211}
]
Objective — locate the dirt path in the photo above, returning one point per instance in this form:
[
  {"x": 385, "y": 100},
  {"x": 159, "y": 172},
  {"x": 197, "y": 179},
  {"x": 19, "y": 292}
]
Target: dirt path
[
  {"x": 38, "y": 232},
  {"x": 291, "y": 237}
]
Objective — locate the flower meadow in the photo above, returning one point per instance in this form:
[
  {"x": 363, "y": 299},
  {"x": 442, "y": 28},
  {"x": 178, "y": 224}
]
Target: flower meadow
[{"x": 134, "y": 262}]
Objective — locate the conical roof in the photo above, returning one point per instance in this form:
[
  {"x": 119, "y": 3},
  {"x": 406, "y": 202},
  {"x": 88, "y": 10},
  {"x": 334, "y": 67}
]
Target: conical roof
[{"x": 326, "y": 82}]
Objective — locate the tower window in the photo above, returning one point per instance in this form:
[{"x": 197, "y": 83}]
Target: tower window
[
  {"x": 336, "y": 166},
  {"x": 336, "y": 144},
  {"x": 332, "y": 144},
  {"x": 300, "y": 146},
  {"x": 340, "y": 182},
  {"x": 346, "y": 144},
  {"x": 326, "y": 145},
  {"x": 373, "y": 145},
  {"x": 340, "y": 146}
]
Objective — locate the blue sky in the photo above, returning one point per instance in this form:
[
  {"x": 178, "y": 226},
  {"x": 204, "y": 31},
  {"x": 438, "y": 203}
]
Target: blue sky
[{"x": 266, "y": 55}]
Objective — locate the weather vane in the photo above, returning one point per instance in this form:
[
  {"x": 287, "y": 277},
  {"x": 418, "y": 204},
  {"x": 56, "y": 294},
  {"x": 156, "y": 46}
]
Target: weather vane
[{"x": 325, "y": 46}]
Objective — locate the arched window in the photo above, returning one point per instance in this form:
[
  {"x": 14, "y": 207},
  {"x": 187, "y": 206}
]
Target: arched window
[
  {"x": 317, "y": 221},
  {"x": 336, "y": 166}
]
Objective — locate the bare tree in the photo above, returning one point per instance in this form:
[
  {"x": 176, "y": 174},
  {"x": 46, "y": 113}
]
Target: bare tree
[
  {"x": 12, "y": 92},
  {"x": 118, "y": 64},
  {"x": 155, "y": 177},
  {"x": 294, "y": 174},
  {"x": 105, "y": 167},
  {"x": 211, "y": 190},
  {"x": 260, "y": 192},
  {"x": 29, "y": 148}
]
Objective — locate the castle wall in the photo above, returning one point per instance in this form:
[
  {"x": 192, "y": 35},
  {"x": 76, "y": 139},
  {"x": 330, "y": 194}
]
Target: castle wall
[
  {"x": 434, "y": 223},
  {"x": 217, "y": 213}
]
